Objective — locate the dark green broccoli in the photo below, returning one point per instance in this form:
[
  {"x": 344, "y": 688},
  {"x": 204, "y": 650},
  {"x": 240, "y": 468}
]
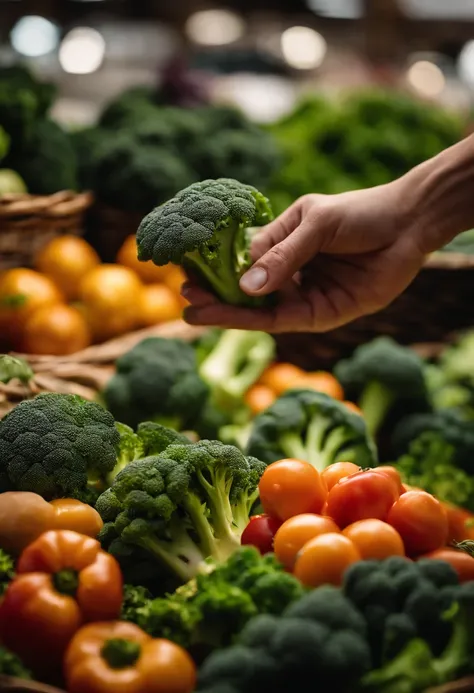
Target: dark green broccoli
[
  {"x": 136, "y": 177},
  {"x": 201, "y": 228},
  {"x": 311, "y": 426},
  {"x": 457, "y": 361},
  {"x": 381, "y": 375},
  {"x": 135, "y": 597},
  {"x": 21, "y": 78},
  {"x": 88, "y": 143},
  {"x": 57, "y": 445},
  {"x": 18, "y": 112},
  {"x": 319, "y": 638},
  {"x": 158, "y": 381},
  {"x": 447, "y": 394},
  {"x": 449, "y": 423},
  {"x": 7, "y": 570},
  {"x": 13, "y": 368},
  {"x": 429, "y": 464},
  {"x": 131, "y": 107},
  {"x": 422, "y": 592},
  {"x": 11, "y": 665},
  {"x": 188, "y": 505}
]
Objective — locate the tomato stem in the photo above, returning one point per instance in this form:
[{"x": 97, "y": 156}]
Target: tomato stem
[
  {"x": 66, "y": 582},
  {"x": 120, "y": 653}
]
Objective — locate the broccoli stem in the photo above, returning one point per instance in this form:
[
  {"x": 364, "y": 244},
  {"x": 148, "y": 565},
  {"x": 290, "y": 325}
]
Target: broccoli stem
[
  {"x": 412, "y": 670},
  {"x": 457, "y": 654},
  {"x": 180, "y": 554},
  {"x": 313, "y": 449},
  {"x": 201, "y": 525},
  {"x": 217, "y": 492},
  {"x": 375, "y": 403},
  {"x": 292, "y": 446}
]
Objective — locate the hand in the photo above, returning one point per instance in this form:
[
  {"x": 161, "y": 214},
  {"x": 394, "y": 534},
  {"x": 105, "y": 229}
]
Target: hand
[{"x": 331, "y": 258}]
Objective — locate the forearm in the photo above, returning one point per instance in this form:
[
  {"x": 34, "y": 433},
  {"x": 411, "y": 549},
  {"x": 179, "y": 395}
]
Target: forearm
[{"x": 439, "y": 195}]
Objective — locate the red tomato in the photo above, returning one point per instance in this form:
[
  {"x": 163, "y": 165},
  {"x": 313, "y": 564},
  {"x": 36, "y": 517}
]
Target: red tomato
[
  {"x": 361, "y": 496},
  {"x": 296, "y": 532},
  {"x": 459, "y": 522},
  {"x": 461, "y": 561},
  {"x": 392, "y": 473},
  {"x": 291, "y": 487},
  {"x": 337, "y": 471},
  {"x": 260, "y": 532},
  {"x": 375, "y": 539},
  {"x": 324, "y": 560},
  {"x": 421, "y": 521}
]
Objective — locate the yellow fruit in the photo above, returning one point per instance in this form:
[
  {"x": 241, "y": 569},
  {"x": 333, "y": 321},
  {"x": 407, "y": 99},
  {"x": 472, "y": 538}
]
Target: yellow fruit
[
  {"x": 159, "y": 304},
  {"x": 67, "y": 259},
  {"x": 56, "y": 330},
  {"x": 147, "y": 271}
]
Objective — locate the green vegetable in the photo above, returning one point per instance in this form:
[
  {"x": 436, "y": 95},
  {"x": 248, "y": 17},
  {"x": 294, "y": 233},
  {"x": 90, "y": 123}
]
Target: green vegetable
[
  {"x": 202, "y": 228},
  {"x": 131, "y": 107},
  {"x": 457, "y": 361},
  {"x": 380, "y": 376},
  {"x": 134, "y": 598},
  {"x": 11, "y": 665},
  {"x": 7, "y": 570},
  {"x": 311, "y": 426},
  {"x": 13, "y": 368},
  {"x": 57, "y": 446},
  {"x": 186, "y": 506},
  {"x": 11, "y": 182},
  {"x": 320, "y": 639},
  {"x": 158, "y": 381},
  {"x": 429, "y": 464}
]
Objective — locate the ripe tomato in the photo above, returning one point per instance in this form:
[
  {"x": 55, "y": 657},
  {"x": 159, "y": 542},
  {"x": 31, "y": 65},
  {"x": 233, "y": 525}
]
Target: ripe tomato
[
  {"x": 280, "y": 377},
  {"x": 296, "y": 532},
  {"x": 55, "y": 330},
  {"x": 393, "y": 474},
  {"x": 460, "y": 523},
  {"x": 321, "y": 381},
  {"x": 66, "y": 260},
  {"x": 461, "y": 561},
  {"x": 361, "y": 496},
  {"x": 259, "y": 398},
  {"x": 421, "y": 521},
  {"x": 337, "y": 471},
  {"x": 260, "y": 532},
  {"x": 324, "y": 560},
  {"x": 375, "y": 539},
  {"x": 291, "y": 487},
  {"x": 158, "y": 304}
]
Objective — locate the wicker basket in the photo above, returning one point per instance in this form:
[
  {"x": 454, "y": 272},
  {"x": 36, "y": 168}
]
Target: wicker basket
[
  {"x": 438, "y": 302},
  {"x": 108, "y": 228},
  {"x": 27, "y": 222}
]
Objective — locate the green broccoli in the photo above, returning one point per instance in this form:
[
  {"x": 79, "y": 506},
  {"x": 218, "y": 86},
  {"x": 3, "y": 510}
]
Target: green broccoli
[
  {"x": 13, "y": 368},
  {"x": 158, "y": 381},
  {"x": 189, "y": 505},
  {"x": 457, "y": 361},
  {"x": 449, "y": 423},
  {"x": 201, "y": 228},
  {"x": 131, "y": 107},
  {"x": 381, "y": 375},
  {"x": 7, "y": 570},
  {"x": 135, "y": 597},
  {"x": 21, "y": 77},
  {"x": 57, "y": 445},
  {"x": 311, "y": 426},
  {"x": 320, "y": 638},
  {"x": 429, "y": 464},
  {"x": 11, "y": 665},
  {"x": 88, "y": 143}
]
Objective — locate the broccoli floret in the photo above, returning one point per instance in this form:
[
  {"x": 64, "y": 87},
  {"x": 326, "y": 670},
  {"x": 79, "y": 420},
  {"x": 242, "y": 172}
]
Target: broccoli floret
[
  {"x": 7, "y": 570},
  {"x": 20, "y": 77},
  {"x": 457, "y": 361},
  {"x": 57, "y": 445},
  {"x": 236, "y": 362},
  {"x": 11, "y": 665},
  {"x": 131, "y": 107},
  {"x": 171, "y": 618},
  {"x": 379, "y": 376},
  {"x": 12, "y": 368},
  {"x": 311, "y": 426},
  {"x": 158, "y": 381},
  {"x": 200, "y": 228},
  {"x": 135, "y": 598},
  {"x": 186, "y": 506},
  {"x": 429, "y": 464},
  {"x": 449, "y": 424}
]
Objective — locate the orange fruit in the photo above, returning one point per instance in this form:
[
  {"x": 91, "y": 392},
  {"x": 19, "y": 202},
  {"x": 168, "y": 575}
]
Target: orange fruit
[
  {"x": 158, "y": 304},
  {"x": 66, "y": 260},
  {"x": 56, "y": 330},
  {"x": 321, "y": 381},
  {"x": 148, "y": 272},
  {"x": 259, "y": 398},
  {"x": 175, "y": 278},
  {"x": 110, "y": 296},
  {"x": 22, "y": 291},
  {"x": 280, "y": 377}
]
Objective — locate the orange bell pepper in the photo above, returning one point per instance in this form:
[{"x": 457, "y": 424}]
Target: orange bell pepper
[
  {"x": 120, "y": 657},
  {"x": 76, "y": 516},
  {"x": 63, "y": 580}
]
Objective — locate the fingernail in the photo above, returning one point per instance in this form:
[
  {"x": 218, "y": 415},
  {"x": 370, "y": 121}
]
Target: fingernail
[{"x": 254, "y": 279}]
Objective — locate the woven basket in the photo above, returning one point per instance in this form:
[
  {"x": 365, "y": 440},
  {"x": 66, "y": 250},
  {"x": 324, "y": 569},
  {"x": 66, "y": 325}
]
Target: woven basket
[
  {"x": 108, "y": 228},
  {"x": 27, "y": 222},
  {"x": 440, "y": 301}
]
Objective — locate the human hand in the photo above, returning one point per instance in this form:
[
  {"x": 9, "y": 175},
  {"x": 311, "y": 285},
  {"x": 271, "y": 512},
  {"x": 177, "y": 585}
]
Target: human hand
[{"x": 331, "y": 258}]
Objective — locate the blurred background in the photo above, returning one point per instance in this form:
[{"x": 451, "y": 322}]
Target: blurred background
[{"x": 112, "y": 106}]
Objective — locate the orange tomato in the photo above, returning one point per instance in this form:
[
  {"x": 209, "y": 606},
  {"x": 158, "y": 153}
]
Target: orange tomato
[
  {"x": 259, "y": 398},
  {"x": 291, "y": 487},
  {"x": 66, "y": 260},
  {"x": 461, "y": 561},
  {"x": 56, "y": 330},
  {"x": 158, "y": 304},
  {"x": 22, "y": 291},
  {"x": 110, "y": 295},
  {"x": 460, "y": 523},
  {"x": 280, "y": 377},
  {"x": 296, "y": 532},
  {"x": 421, "y": 521},
  {"x": 148, "y": 272},
  {"x": 353, "y": 408},
  {"x": 322, "y": 381},
  {"x": 361, "y": 496},
  {"x": 324, "y": 560},
  {"x": 375, "y": 539},
  {"x": 392, "y": 473},
  {"x": 337, "y": 471},
  {"x": 175, "y": 278}
]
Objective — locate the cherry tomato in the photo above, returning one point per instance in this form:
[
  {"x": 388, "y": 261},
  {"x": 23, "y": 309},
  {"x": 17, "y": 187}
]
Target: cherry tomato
[
  {"x": 291, "y": 487},
  {"x": 260, "y": 532},
  {"x": 337, "y": 471},
  {"x": 361, "y": 496},
  {"x": 324, "y": 560},
  {"x": 461, "y": 561},
  {"x": 375, "y": 539},
  {"x": 392, "y": 473},
  {"x": 460, "y": 523},
  {"x": 296, "y": 532},
  {"x": 421, "y": 521}
]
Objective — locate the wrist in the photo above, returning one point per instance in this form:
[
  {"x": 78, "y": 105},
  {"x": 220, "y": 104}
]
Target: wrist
[{"x": 437, "y": 196}]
